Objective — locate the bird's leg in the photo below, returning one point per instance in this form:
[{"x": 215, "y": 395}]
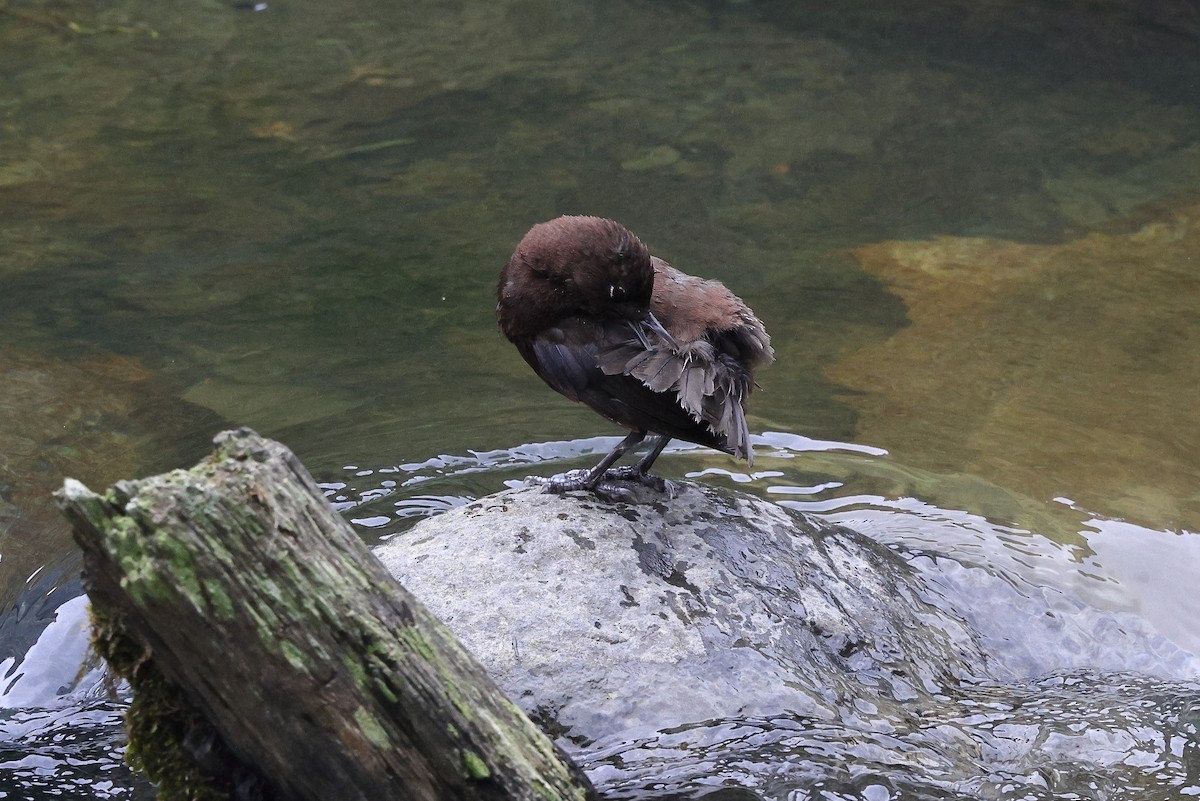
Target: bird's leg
[
  {"x": 640, "y": 472},
  {"x": 594, "y": 480},
  {"x": 643, "y": 465}
]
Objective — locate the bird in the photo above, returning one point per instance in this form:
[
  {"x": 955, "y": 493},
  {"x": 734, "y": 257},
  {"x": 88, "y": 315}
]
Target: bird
[{"x": 651, "y": 348}]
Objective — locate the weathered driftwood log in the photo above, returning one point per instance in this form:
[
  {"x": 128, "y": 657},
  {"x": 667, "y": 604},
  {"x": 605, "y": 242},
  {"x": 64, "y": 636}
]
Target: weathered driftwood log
[{"x": 237, "y": 583}]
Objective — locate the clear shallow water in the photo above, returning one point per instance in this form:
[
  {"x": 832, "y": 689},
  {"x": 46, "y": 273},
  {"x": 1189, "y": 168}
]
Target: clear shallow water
[{"x": 294, "y": 220}]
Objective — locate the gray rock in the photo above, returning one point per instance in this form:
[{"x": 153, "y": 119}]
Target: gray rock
[
  {"x": 609, "y": 620},
  {"x": 716, "y": 645}
]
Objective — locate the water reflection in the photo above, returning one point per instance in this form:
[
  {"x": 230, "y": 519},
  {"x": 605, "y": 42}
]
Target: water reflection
[
  {"x": 61, "y": 731},
  {"x": 1156, "y": 569}
]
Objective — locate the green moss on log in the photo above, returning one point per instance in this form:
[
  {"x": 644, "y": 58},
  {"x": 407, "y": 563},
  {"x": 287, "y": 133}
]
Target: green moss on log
[
  {"x": 159, "y": 718},
  {"x": 477, "y": 769},
  {"x": 415, "y": 639},
  {"x": 219, "y": 601},
  {"x": 295, "y": 657},
  {"x": 372, "y": 729},
  {"x": 248, "y": 559}
]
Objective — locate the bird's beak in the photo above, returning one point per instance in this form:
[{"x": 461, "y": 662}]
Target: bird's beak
[{"x": 651, "y": 322}]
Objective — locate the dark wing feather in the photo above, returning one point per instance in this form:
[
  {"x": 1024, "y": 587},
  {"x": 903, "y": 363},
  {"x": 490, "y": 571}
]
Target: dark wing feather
[{"x": 603, "y": 365}]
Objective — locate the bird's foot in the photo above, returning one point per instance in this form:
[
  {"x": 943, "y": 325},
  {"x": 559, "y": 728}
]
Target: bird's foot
[
  {"x": 642, "y": 477},
  {"x": 563, "y": 482},
  {"x": 608, "y": 491},
  {"x": 578, "y": 480},
  {"x": 606, "y": 488}
]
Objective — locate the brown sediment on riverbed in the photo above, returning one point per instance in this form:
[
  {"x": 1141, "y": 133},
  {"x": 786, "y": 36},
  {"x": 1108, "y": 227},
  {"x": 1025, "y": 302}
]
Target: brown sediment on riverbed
[{"x": 1058, "y": 370}]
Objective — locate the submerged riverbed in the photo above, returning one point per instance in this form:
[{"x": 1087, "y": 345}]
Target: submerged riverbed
[{"x": 969, "y": 229}]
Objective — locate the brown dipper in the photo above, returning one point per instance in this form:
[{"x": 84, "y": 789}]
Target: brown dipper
[{"x": 656, "y": 350}]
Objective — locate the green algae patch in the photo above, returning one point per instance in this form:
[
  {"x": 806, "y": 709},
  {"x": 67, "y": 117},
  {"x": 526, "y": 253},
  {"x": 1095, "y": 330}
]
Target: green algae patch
[
  {"x": 138, "y": 573},
  {"x": 140, "y": 553},
  {"x": 374, "y": 670},
  {"x": 387, "y": 692},
  {"x": 218, "y": 600},
  {"x": 476, "y": 768},
  {"x": 356, "y": 670},
  {"x": 181, "y": 568},
  {"x": 372, "y": 729},
  {"x": 415, "y": 640},
  {"x": 295, "y": 657}
]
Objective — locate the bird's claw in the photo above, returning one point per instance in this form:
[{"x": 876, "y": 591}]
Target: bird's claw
[
  {"x": 614, "y": 493},
  {"x": 577, "y": 480},
  {"x": 645, "y": 479},
  {"x": 563, "y": 482},
  {"x": 606, "y": 488}
]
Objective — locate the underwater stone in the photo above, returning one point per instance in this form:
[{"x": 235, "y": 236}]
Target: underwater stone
[{"x": 1066, "y": 357}]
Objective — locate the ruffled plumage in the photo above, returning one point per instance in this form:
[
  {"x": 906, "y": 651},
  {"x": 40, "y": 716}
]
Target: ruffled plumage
[{"x": 654, "y": 349}]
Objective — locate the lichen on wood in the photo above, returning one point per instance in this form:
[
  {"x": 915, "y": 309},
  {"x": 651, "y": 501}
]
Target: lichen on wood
[
  {"x": 162, "y": 723},
  {"x": 313, "y": 666}
]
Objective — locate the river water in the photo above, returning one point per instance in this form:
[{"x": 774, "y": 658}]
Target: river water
[{"x": 970, "y": 229}]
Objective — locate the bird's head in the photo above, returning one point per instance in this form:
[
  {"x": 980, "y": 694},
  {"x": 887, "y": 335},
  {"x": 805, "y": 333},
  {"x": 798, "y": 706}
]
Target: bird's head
[{"x": 574, "y": 266}]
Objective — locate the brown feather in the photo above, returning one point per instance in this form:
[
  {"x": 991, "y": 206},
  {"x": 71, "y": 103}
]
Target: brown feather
[{"x": 576, "y": 298}]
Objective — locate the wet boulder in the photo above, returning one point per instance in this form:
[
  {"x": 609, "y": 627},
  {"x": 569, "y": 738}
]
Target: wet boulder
[
  {"x": 616, "y": 619},
  {"x": 717, "y": 645}
]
